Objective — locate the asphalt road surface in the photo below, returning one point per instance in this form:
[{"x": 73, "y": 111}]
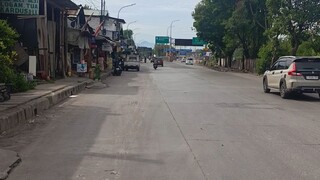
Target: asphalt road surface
[{"x": 175, "y": 123}]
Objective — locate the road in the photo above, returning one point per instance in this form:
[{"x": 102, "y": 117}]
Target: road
[{"x": 175, "y": 123}]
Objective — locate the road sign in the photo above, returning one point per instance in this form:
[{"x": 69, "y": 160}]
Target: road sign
[
  {"x": 162, "y": 39},
  {"x": 197, "y": 42}
]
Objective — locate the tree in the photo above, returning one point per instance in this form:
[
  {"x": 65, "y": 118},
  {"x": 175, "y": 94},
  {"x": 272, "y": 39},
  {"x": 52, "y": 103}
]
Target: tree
[
  {"x": 295, "y": 19},
  {"x": 128, "y": 34},
  {"x": 8, "y": 74},
  {"x": 87, "y": 7},
  {"x": 210, "y": 16},
  {"x": 7, "y": 40},
  {"x": 246, "y": 27}
]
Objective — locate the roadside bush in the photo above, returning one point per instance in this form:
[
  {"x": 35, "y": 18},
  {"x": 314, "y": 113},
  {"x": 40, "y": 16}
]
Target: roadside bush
[
  {"x": 7, "y": 40},
  {"x": 8, "y": 74},
  {"x": 265, "y": 57},
  {"x": 306, "y": 49},
  {"x": 268, "y": 52},
  {"x": 20, "y": 84}
]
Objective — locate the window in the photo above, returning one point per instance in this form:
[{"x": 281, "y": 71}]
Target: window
[
  {"x": 308, "y": 64},
  {"x": 275, "y": 66},
  {"x": 282, "y": 65}
]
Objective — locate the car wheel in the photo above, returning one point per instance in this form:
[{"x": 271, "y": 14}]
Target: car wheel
[
  {"x": 283, "y": 91},
  {"x": 265, "y": 86}
]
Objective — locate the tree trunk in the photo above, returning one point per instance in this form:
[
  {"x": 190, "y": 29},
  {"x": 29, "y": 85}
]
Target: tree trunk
[
  {"x": 242, "y": 62},
  {"x": 294, "y": 49}
]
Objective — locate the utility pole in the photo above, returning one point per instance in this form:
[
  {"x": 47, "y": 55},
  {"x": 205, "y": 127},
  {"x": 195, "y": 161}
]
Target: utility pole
[{"x": 101, "y": 16}]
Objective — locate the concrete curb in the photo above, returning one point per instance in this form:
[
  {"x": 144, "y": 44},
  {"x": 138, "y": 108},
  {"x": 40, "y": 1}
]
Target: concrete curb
[{"x": 19, "y": 115}]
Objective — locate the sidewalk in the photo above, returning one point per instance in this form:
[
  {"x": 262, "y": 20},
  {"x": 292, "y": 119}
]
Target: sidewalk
[{"x": 23, "y": 106}]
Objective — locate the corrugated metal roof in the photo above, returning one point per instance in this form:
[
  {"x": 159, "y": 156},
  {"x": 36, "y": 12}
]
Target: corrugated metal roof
[
  {"x": 88, "y": 12},
  {"x": 65, "y": 4},
  {"x": 73, "y": 12}
]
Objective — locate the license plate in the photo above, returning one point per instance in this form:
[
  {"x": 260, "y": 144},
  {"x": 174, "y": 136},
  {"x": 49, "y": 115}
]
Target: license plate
[{"x": 312, "y": 77}]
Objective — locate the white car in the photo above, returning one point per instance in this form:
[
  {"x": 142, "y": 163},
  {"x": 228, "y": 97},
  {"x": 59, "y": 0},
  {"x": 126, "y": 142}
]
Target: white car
[
  {"x": 132, "y": 62},
  {"x": 189, "y": 61},
  {"x": 293, "y": 75}
]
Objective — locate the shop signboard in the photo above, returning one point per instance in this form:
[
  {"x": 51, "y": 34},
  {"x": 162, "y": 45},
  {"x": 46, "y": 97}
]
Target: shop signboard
[{"x": 22, "y": 7}]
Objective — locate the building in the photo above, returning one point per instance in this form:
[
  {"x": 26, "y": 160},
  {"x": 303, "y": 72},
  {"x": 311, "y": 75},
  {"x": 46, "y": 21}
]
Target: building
[
  {"x": 42, "y": 28},
  {"x": 91, "y": 40}
]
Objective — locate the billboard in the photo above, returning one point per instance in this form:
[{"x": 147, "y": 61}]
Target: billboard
[
  {"x": 189, "y": 42},
  {"x": 22, "y": 7},
  {"x": 183, "y": 42}
]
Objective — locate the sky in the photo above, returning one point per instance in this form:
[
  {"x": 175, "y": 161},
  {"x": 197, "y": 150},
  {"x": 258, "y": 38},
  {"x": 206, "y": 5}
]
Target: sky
[{"x": 153, "y": 16}]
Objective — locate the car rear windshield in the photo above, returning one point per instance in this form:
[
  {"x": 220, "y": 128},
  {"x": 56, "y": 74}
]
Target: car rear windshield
[
  {"x": 133, "y": 59},
  {"x": 306, "y": 64}
]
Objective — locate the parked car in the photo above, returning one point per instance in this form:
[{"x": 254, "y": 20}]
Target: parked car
[
  {"x": 132, "y": 62},
  {"x": 293, "y": 75},
  {"x": 189, "y": 61},
  {"x": 159, "y": 61}
]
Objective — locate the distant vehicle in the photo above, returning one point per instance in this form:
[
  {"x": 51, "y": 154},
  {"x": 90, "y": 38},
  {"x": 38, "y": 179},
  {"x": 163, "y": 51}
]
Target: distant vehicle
[
  {"x": 189, "y": 61},
  {"x": 132, "y": 62},
  {"x": 158, "y": 61},
  {"x": 293, "y": 75},
  {"x": 183, "y": 59}
]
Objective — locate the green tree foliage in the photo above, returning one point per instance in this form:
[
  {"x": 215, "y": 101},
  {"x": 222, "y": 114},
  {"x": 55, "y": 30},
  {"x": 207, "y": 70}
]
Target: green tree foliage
[
  {"x": 128, "y": 34},
  {"x": 7, "y": 40},
  {"x": 210, "y": 16},
  {"x": 229, "y": 24},
  {"x": 87, "y": 7},
  {"x": 263, "y": 29},
  {"x": 295, "y": 19},
  {"x": 8, "y": 74}
]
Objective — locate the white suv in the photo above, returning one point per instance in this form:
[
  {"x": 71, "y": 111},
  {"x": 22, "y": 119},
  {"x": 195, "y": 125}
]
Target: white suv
[{"x": 292, "y": 74}]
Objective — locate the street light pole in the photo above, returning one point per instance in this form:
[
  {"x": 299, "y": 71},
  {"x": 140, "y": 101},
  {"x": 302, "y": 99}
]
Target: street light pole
[
  {"x": 168, "y": 30},
  {"x": 125, "y": 7},
  {"x": 128, "y": 27},
  {"x": 171, "y": 36}
]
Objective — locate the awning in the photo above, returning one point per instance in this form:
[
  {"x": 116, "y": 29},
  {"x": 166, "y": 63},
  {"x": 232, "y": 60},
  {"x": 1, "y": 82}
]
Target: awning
[{"x": 106, "y": 39}]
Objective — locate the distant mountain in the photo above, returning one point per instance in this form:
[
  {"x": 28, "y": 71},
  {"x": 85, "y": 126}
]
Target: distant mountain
[{"x": 145, "y": 44}]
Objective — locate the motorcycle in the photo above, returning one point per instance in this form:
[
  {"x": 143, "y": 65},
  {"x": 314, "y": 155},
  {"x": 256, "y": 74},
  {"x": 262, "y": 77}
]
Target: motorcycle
[
  {"x": 155, "y": 66},
  {"x": 117, "y": 69}
]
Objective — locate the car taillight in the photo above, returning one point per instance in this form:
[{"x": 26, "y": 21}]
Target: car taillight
[{"x": 293, "y": 70}]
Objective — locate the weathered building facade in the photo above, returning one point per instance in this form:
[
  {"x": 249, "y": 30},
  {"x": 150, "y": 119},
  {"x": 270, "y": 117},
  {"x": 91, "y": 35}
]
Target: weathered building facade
[{"x": 42, "y": 28}]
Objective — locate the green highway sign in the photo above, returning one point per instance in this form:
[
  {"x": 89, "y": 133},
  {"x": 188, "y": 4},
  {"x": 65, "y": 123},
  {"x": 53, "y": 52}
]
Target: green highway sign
[
  {"x": 162, "y": 39},
  {"x": 197, "y": 42}
]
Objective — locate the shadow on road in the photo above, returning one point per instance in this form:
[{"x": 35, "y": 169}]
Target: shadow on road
[{"x": 300, "y": 97}]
